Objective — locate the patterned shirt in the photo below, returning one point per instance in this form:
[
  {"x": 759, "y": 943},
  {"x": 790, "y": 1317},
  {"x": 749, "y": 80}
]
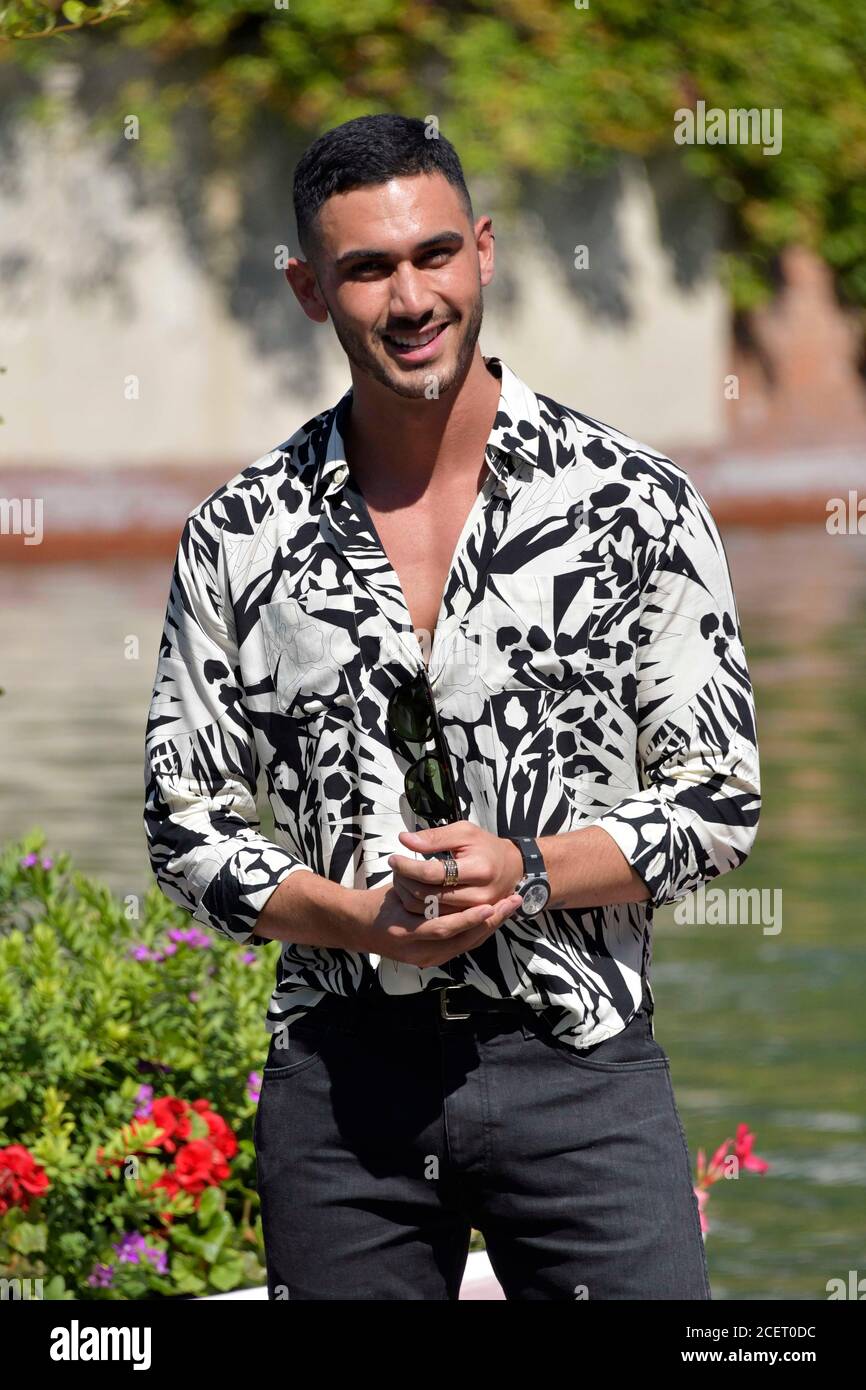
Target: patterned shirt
[{"x": 587, "y": 667}]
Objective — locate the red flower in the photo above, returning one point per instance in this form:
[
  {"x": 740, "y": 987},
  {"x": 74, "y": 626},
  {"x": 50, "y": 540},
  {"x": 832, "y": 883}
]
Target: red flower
[
  {"x": 21, "y": 1178},
  {"x": 171, "y": 1186},
  {"x": 200, "y": 1164},
  {"x": 171, "y": 1115},
  {"x": 218, "y": 1131}
]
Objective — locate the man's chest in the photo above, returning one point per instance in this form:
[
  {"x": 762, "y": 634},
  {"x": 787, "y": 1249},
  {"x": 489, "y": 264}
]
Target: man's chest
[
  {"x": 497, "y": 596},
  {"x": 420, "y": 543}
]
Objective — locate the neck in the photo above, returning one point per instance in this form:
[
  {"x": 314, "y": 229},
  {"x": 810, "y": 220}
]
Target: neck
[{"x": 400, "y": 445}]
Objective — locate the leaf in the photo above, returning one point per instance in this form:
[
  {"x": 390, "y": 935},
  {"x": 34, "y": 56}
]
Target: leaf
[
  {"x": 211, "y": 1204},
  {"x": 28, "y": 1237},
  {"x": 185, "y": 1278},
  {"x": 218, "y": 1232},
  {"x": 228, "y": 1274},
  {"x": 74, "y": 10},
  {"x": 182, "y": 1238}
]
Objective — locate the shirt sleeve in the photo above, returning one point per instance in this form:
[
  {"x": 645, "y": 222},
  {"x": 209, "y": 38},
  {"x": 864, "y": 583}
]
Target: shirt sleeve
[
  {"x": 697, "y": 814},
  {"x": 201, "y": 767}
]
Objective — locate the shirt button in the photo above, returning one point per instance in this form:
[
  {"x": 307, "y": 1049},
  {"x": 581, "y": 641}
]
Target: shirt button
[{"x": 341, "y": 473}]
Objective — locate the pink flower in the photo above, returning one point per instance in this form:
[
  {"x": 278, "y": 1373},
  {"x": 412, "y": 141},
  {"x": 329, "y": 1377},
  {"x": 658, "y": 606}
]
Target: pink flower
[
  {"x": 711, "y": 1174},
  {"x": 708, "y": 1174},
  {"x": 703, "y": 1197},
  {"x": 743, "y": 1151}
]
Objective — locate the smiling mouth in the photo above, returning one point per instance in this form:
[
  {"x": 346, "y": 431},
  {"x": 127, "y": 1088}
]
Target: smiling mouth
[{"x": 413, "y": 342}]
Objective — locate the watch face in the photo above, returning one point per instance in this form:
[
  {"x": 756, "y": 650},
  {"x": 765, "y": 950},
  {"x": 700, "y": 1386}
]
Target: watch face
[{"x": 535, "y": 898}]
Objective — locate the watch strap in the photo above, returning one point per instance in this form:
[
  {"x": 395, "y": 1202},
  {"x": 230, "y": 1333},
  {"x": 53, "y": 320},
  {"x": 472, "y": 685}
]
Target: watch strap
[{"x": 533, "y": 859}]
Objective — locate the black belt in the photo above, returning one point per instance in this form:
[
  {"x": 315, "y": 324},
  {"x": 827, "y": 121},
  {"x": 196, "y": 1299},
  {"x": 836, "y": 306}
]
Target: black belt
[
  {"x": 448, "y": 1001},
  {"x": 459, "y": 1001}
]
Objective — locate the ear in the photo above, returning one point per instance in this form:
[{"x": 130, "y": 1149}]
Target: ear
[
  {"x": 305, "y": 287},
  {"x": 484, "y": 239}
]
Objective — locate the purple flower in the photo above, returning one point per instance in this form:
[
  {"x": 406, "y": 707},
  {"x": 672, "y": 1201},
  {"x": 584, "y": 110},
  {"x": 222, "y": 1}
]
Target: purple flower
[
  {"x": 193, "y": 996},
  {"x": 129, "y": 1248},
  {"x": 133, "y": 1248},
  {"x": 141, "y": 952},
  {"x": 190, "y": 936},
  {"x": 47, "y": 863},
  {"x": 28, "y": 861},
  {"x": 254, "y": 1086},
  {"x": 168, "y": 951},
  {"x": 144, "y": 1096},
  {"x": 101, "y": 1276},
  {"x": 249, "y": 958}
]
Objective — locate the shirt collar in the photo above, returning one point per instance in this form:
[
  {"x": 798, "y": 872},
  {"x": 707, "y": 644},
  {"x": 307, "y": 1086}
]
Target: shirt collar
[{"x": 512, "y": 443}]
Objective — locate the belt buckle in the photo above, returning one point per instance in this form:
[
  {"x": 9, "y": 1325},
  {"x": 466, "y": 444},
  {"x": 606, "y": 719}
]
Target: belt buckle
[{"x": 443, "y": 1002}]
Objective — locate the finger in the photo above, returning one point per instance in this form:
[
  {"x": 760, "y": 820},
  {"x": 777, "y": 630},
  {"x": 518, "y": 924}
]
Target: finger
[
  {"x": 502, "y": 910},
  {"x": 432, "y": 871},
  {"x": 475, "y": 936},
  {"x": 438, "y": 837},
  {"x": 419, "y": 870},
  {"x": 407, "y": 896},
  {"x": 427, "y": 898},
  {"x": 467, "y": 920}
]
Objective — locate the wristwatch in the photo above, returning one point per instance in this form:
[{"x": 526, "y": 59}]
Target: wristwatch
[{"x": 534, "y": 887}]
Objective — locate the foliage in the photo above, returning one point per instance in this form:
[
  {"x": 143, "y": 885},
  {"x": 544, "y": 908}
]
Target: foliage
[
  {"x": 128, "y": 1042},
  {"x": 525, "y": 90}
]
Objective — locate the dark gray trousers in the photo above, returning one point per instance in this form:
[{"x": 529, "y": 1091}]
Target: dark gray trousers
[{"x": 386, "y": 1132}]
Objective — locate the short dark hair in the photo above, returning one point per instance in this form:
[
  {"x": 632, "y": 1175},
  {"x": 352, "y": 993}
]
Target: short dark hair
[{"x": 369, "y": 150}]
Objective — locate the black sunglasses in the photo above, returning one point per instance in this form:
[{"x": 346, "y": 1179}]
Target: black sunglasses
[{"x": 412, "y": 719}]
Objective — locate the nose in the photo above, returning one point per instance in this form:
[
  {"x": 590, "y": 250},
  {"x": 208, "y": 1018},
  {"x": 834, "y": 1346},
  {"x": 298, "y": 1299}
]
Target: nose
[{"x": 410, "y": 298}]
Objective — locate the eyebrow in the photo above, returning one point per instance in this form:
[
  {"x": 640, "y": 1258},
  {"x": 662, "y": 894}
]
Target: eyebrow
[{"x": 450, "y": 237}]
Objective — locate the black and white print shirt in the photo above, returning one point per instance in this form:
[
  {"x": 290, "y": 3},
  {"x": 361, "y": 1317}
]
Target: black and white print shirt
[{"x": 587, "y": 666}]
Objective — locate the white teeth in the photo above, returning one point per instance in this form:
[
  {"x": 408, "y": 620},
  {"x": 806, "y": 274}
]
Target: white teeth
[{"x": 415, "y": 342}]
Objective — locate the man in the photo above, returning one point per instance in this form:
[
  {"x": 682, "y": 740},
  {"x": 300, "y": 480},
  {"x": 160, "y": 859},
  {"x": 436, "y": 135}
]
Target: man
[{"x": 486, "y": 653}]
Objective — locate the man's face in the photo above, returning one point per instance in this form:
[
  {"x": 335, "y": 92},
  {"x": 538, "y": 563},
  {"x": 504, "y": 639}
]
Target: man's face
[{"x": 397, "y": 265}]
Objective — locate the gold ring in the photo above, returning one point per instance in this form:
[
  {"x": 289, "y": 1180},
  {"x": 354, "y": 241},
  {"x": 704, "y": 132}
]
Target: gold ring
[{"x": 451, "y": 871}]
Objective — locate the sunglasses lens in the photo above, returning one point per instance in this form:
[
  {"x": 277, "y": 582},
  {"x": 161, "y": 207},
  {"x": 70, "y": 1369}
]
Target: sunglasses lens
[
  {"x": 426, "y": 789},
  {"x": 411, "y": 718},
  {"x": 409, "y": 713}
]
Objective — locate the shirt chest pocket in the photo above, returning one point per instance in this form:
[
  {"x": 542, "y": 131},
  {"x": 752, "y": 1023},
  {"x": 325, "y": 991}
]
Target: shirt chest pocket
[
  {"x": 312, "y": 652},
  {"x": 536, "y": 630}
]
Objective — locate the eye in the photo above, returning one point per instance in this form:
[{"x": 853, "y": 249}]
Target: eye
[{"x": 364, "y": 268}]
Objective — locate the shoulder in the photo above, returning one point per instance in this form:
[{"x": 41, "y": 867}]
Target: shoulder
[
  {"x": 280, "y": 478},
  {"x": 622, "y": 471}
]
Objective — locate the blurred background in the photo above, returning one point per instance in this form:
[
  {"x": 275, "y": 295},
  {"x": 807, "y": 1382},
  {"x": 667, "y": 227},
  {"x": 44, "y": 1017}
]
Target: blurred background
[{"x": 698, "y": 284}]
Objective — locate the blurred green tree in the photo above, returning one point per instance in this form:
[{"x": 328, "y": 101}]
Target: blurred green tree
[{"x": 540, "y": 88}]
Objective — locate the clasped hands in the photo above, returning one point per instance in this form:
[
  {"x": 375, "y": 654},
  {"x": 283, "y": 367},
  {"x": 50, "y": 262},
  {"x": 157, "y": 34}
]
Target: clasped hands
[
  {"x": 488, "y": 869},
  {"x": 425, "y": 924}
]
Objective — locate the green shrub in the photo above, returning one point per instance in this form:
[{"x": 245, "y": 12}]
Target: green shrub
[{"x": 97, "y": 1001}]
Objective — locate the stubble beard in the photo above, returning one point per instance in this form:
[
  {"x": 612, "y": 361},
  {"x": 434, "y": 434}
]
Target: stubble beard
[{"x": 417, "y": 386}]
